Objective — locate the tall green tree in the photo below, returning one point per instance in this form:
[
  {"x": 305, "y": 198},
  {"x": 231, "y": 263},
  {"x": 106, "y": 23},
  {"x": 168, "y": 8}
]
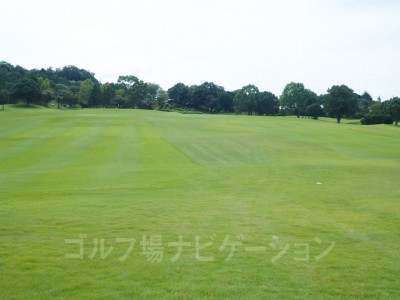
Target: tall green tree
[
  {"x": 27, "y": 90},
  {"x": 225, "y": 100},
  {"x": 136, "y": 90},
  {"x": 47, "y": 89},
  {"x": 291, "y": 97},
  {"x": 267, "y": 104},
  {"x": 150, "y": 100},
  {"x": 69, "y": 97},
  {"x": 245, "y": 99},
  {"x": 161, "y": 98},
  {"x": 340, "y": 101},
  {"x": 206, "y": 96},
  {"x": 180, "y": 94},
  {"x": 3, "y": 97},
  {"x": 95, "y": 98},
  {"x": 6, "y": 81},
  {"x": 108, "y": 94},
  {"x": 314, "y": 111},
  {"x": 393, "y": 108},
  {"x": 376, "y": 108},
  {"x": 363, "y": 104},
  {"x": 75, "y": 74},
  {"x": 4, "y": 86},
  {"x": 85, "y": 92},
  {"x": 295, "y": 98},
  {"x": 121, "y": 97}
]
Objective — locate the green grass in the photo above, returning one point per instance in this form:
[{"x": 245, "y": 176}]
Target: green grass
[{"x": 112, "y": 174}]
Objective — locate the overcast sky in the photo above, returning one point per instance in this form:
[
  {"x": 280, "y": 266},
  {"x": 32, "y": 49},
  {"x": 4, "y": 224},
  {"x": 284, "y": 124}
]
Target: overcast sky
[{"x": 229, "y": 42}]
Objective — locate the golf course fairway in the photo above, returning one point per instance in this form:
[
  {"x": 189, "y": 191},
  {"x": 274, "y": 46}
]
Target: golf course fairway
[{"x": 122, "y": 204}]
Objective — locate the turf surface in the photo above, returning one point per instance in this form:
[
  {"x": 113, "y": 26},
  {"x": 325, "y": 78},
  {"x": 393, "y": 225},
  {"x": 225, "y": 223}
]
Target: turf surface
[{"x": 264, "y": 207}]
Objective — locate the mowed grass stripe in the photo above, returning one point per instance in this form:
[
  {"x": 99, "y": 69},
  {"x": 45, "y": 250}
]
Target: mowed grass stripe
[
  {"x": 90, "y": 151},
  {"x": 117, "y": 167},
  {"x": 59, "y": 148},
  {"x": 20, "y": 149},
  {"x": 157, "y": 157},
  {"x": 219, "y": 148},
  {"x": 16, "y": 121}
]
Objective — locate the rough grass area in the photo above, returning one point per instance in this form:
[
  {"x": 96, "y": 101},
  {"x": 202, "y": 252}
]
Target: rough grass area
[{"x": 239, "y": 192}]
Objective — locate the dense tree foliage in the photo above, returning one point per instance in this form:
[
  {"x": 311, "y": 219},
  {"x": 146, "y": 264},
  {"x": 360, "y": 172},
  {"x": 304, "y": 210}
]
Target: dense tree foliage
[
  {"x": 85, "y": 91},
  {"x": 340, "y": 101},
  {"x": 245, "y": 99},
  {"x": 27, "y": 90},
  {"x": 251, "y": 101},
  {"x": 393, "y": 108},
  {"x": 364, "y": 102},
  {"x": 4, "y": 88},
  {"x": 376, "y": 119},
  {"x": 180, "y": 95},
  {"x": 267, "y": 104},
  {"x": 295, "y": 99},
  {"x": 314, "y": 111},
  {"x": 71, "y": 86},
  {"x": 107, "y": 94},
  {"x": 3, "y": 97},
  {"x": 75, "y": 74},
  {"x": 206, "y": 97}
]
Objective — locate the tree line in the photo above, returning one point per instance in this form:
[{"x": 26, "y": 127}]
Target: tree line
[{"x": 71, "y": 86}]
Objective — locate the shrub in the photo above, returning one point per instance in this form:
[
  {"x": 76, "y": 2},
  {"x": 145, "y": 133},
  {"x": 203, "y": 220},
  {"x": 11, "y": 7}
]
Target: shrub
[
  {"x": 376, "y": 119},
  {"x": 314, "y": 110}
]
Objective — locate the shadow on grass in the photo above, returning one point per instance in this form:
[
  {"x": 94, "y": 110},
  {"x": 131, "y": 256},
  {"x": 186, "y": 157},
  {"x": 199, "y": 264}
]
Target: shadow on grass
[
  {"x": 343, "y": 121},
  {"x": 356, "y": 122},
  {"x": 23, "y": 105}
]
